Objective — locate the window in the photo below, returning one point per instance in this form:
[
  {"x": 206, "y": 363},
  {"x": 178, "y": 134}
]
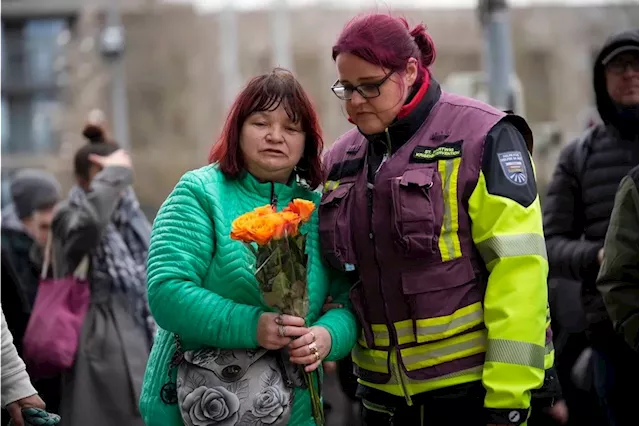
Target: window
[{"x": 32, "y": 69}]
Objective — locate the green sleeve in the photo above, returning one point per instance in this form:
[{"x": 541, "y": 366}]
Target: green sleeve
[
  {"x": 181, "y": 249},
  {"x": 340, "y": 323},
  {"x": 618, "y": 278}
]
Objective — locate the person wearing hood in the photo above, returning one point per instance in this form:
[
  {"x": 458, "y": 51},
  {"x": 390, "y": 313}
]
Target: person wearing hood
[
  {"x": 25, "y": 226},
  {"x": 579, "y": 205}
]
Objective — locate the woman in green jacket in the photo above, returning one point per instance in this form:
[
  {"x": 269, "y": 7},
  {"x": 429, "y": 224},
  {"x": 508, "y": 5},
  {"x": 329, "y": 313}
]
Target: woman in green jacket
[{"x": 201, "y": 283}]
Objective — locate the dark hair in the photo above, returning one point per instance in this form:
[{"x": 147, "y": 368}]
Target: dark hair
[
  {"x": 384, "y": 40},
  {"x": 98, "y": 145},
  {"x": 266, "y": 93}
]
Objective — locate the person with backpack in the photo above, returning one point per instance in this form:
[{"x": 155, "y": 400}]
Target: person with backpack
[{"x": 579, "y": 204}]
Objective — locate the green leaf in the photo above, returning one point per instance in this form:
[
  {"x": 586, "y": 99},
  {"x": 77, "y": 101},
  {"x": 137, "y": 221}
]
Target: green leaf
[{"x": 279, "y": 294}]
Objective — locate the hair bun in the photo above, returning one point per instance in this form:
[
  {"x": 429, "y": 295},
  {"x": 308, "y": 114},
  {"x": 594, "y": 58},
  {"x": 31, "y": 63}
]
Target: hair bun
[
  {"x": 94, "y": 133},
  {"x": 94, "y": 130},
  {"x": 425, "y": 44}
]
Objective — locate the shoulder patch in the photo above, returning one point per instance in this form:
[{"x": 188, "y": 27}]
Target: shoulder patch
[
  {"x": 507, "y": 166},
  {"x": 428, "y": 154},
  {"x": 513, "y": 167}
]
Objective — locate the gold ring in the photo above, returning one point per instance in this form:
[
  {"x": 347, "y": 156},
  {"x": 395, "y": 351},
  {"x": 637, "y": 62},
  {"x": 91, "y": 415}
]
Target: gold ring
[
  {"x": 317, "y": 356},
  {"x": 281, "y": 331},
  {"x": 313, "y": 336},
  {"x": 313, "y": 348}
]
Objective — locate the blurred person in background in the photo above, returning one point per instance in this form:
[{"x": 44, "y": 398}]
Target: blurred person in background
[
  {"x": 431, "y": 204},
  {"x": 101, "y": 219},
  {"x": 26, "y": 223},
  {"x": 578, "y": 208},
  {"x": 619, "y": 278},
  {"x": 202, "y": 288}
]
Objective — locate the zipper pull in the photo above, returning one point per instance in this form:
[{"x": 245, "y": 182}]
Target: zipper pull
[
  {"x": 386, "y": 131},
  {"x": 274, "y": 197}
]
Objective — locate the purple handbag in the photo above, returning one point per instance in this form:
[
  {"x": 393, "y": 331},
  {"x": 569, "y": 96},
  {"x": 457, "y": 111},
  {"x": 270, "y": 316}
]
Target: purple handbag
[{"x": 53, "y": 332}]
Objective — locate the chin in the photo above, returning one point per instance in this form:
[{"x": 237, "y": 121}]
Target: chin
[
  {"x": 275, "y": 165},
  {"x": 369, "y": 128},
  {"x": 630, "y": 100}
]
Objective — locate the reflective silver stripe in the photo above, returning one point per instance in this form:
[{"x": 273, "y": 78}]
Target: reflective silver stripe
[
  {"x": 446, "y": 219},
  {"x": 381, "y": 335},
  {"x": 548, "y": 348},
  {"x": 425, "y": 330},
  {"x": 512, "y": 352},
  {"x": 512, "y": 245},
  {"x": 432, "y": 354}
]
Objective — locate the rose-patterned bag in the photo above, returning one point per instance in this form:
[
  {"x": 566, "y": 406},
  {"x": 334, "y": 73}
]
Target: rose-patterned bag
[{"x": 237, "y": 387}]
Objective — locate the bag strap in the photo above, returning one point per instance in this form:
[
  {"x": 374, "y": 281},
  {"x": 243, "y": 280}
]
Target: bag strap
[
  {"x": 81, "y": 271},
  {"x": 44, "y": 271},
  {"x": 581, "y": 153}
]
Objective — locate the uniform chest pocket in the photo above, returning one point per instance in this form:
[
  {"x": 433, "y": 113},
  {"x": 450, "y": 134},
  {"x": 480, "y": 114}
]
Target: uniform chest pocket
[
  {"x": 335, "y": 227},
  {"x": 413, "y": 212}
]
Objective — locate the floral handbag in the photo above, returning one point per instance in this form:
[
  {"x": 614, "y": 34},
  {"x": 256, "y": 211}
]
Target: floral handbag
[{"x": 239, "y": 387}]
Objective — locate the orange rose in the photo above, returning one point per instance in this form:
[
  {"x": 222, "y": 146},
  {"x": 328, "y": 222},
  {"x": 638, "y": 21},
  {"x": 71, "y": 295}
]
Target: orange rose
[
  {"x": 292, "y": 222},
  {"x": 240, "y": 228},
  {"x": 264, "y": 228},
  {"x": 302, "y": 208},
  {"x": 264, "y": 210}
]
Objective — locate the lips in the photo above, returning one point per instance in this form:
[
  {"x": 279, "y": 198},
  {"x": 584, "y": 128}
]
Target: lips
[{"x": 272, "y": 152}]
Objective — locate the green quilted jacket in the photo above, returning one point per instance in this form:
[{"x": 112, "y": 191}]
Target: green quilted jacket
[{"x": 201, "y": 286}]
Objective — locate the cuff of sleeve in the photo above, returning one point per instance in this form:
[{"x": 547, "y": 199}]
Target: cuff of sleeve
[
  {"x": 16, "y": 388},
  {"x": 254, "y": 318},
  {"x": 334, "y": 354},
  {"x": 507, "y": 416}
]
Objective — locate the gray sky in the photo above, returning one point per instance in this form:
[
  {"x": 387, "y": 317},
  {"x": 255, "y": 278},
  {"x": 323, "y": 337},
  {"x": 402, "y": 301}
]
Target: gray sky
[{"x": 211, "y": 5}]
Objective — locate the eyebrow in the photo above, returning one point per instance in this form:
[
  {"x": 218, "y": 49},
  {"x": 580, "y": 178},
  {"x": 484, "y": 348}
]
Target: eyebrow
[{"x": 365, "y": 79}]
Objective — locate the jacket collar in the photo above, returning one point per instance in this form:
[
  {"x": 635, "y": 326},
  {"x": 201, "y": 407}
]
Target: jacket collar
[
  {"x": 266, "y": 191},
  {"x": 411, "y": 117}
]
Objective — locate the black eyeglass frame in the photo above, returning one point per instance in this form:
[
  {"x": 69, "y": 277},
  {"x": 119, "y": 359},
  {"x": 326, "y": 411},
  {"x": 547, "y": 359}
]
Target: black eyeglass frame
[{"x": 359, "y": 89}]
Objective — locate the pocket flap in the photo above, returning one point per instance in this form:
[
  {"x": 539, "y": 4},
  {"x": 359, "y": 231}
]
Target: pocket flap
[
  {"x": 420, "y": 177},
  {"x": 453, "y": 273},
  {"x": 337, "y": 194}
]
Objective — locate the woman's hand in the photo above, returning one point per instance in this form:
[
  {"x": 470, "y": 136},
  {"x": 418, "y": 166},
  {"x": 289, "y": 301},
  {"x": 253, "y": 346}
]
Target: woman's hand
[
  {"x": 276, "y": 331},
  {"x": 311, "y": 348},
  {"x": 15, "y": 408},
  {"x": 118, "y": 158}
]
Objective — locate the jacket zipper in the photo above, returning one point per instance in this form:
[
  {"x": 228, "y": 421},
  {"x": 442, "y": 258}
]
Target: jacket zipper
[
  {"x": 395, "y": 351},
  {"x": 274, "y": 197}
]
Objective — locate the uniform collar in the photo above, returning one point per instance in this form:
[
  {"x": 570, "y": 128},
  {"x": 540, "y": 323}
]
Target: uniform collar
[{"x": 411, "y": 117}]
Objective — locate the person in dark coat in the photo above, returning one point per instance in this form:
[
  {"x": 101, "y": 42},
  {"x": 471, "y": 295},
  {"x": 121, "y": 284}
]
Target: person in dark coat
[
  {"x": 101, "y": 220},
  {"x": 579, "y": 204},
  {"x": 618, "y": 278},
  {"x": 25, "y": 226},
  {"x": 26, "y": 223}
]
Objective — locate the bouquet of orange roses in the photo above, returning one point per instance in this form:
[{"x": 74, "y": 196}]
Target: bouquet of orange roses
[{"x": 281, "y": 264}]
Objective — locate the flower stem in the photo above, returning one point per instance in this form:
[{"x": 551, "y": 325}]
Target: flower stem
[{"x": 316, "y": 403}]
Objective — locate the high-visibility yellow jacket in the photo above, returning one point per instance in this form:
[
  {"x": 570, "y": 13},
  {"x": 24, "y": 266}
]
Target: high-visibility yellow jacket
[{"x": 447, "y": 242}]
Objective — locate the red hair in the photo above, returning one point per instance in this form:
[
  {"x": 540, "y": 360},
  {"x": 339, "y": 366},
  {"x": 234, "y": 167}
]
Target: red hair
[
  {"x": 266, "y": 93},
  {"x": 384, "y": 40}
]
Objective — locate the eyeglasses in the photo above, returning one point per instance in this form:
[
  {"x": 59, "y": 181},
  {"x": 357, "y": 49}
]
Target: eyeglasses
[
  {"x": 619, "y": 66},
  {"x": 366, "y": 90}
]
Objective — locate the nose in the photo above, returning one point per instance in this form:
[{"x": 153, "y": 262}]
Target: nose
[
  {"x": 276, "y": 134},
  {"x": 357, "y": 99},
  {"x": 630, "y": 70}
]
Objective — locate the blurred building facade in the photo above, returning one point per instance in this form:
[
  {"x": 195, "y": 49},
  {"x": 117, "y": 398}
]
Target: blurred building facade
[{"x": 54, "y": 75}]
